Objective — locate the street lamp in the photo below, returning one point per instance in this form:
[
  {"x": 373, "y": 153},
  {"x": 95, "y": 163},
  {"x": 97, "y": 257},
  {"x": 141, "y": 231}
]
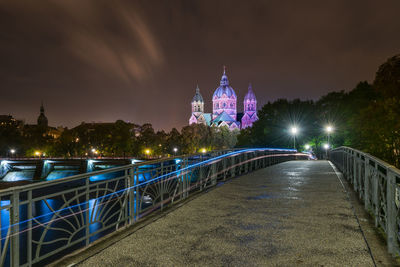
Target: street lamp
[
  {"x": 12, "y": 151},
  {"x": 147, "y": 152},
  {"x": 175, "y": 150},
  {"x": 203, "y": 150},
  {"x": 307, "y": 147},
  {"x": 326, "y": 147},
  {"x": 329, "y": 129},
  {"x": 294, "y": 130}
]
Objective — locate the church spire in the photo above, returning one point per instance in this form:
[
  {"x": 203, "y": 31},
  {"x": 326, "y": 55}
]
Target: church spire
[
  {"x": 224, "y": 78},
  {"x": 41, "y": 107}
]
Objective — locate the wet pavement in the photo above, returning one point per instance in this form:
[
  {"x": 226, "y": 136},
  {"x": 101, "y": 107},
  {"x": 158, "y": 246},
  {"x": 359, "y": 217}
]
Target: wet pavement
[{"x": 294, "y": 213}]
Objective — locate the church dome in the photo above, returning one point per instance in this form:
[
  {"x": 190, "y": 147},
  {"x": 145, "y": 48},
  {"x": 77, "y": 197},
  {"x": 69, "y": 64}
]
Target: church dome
[
  {"x": 224, "y": 88},
  {"x": 197, "y": 97},
  {"x": 250, "y": 94}
]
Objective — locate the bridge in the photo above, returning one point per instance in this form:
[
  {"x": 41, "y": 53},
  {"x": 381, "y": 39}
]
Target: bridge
[{"x": 234, "y": 207}]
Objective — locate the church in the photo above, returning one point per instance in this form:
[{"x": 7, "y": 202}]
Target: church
[{"x": 224, "y": 113}]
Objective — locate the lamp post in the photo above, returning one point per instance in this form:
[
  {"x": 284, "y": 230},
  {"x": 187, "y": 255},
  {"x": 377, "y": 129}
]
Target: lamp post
[
  {"x": 175, "y": 150},
  {"x": 294, "y": 131},
  {"x": 326, "y": 147},
  {"x": 12, "y": 152},
  {"x": 329, "y": 130}
]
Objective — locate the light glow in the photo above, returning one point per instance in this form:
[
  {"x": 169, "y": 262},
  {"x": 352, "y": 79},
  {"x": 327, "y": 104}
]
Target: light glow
[
  {"x": 294, "y": 130},
  {"x": 329, "y": 129}
]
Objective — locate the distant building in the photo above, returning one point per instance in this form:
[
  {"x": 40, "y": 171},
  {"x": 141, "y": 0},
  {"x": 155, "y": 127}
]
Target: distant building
[
  {"x": 42, "y": 119},
  {"x": 224, "y": 108},
  {"x": 8, "y": 120},
  {"x": 42, "y": 127}
]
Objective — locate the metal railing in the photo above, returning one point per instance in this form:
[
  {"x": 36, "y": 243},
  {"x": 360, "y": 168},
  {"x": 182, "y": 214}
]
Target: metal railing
[
  {"x": 43, "y": 221},
  {"x": 377, "y": 184}
]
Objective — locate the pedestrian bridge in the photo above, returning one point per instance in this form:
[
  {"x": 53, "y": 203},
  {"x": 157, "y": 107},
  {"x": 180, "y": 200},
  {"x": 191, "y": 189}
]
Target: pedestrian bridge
[{"x": 280, "y": 209}]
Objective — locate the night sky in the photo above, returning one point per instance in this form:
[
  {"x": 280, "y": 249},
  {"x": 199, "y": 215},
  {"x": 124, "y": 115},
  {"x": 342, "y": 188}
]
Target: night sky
[{"x": 140, "y": 61}]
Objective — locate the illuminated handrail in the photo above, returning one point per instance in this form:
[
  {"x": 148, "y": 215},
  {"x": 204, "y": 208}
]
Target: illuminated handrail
[
  {"x": 46, "y": 219},
  {"x": 377, "y": 184}
]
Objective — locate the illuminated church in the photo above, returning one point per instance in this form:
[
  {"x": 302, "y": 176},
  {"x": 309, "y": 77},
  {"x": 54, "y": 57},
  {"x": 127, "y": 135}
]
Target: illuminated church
[{"x": 224, "y": 108}]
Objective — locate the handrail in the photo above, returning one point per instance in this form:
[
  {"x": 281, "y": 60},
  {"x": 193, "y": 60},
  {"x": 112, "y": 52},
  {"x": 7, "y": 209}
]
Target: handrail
[
  {"x": 378, "y": 186},
  {"x": 48, "y": 218},
  {"x": 138, "y": 164}
]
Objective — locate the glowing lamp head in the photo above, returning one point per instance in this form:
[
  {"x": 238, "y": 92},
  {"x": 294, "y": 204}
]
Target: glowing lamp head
[
  {"x": 326, "y": 146},
  {"x": 147, "y": 151},
  {"x": 294, "y": 130},
  {"x": 307, "y": 147},
  {"x": 203, "y": 150},
  {"x": 37, "y": 153},
  {"x": 93, "y": 150},
  {"x": 12, "y": 151},
  {"x": 329, "y": 129},
  {"x": 175, "y": 149}
]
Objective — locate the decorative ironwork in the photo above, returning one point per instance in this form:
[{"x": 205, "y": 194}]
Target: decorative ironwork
[
  {"x": 43, "y": 221},
  {"x": 378, "y": 185}
]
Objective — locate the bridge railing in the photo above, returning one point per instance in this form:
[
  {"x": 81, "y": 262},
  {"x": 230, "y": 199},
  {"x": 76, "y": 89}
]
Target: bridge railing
[
  {"x": 43, "y": 221},
  {"x": 378, "y": 186}
]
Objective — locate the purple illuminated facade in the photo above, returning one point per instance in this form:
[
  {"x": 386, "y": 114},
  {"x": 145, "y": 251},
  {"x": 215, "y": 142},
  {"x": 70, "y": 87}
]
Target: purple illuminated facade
[
  {"x": 224, "y": 108},
  {"x": 250, "y": 109}
]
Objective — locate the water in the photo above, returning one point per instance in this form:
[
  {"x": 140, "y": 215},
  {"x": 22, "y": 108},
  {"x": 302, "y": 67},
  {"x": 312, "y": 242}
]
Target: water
[
  {"x": 19, "y": 175},
  {"x": 57, "y": 174}
]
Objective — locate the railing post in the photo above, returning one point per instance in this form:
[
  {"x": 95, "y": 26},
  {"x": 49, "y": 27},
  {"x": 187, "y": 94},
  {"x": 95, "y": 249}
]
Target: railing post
[
  {"x": 213, "y": 172},
  {"x": 87, "y": 218},
  {"x": 131, "y": 195},
  {"x": 391, "y": 220},
  {"x": 354, "y": 178},
  {"x": 137, "y": 192},
  {"x": 14, "y": 221},
  {"x": 375, "y": 181},
  {"x": 233, "y": 166},
  {"x": 201, "y": 174},
  {"x": 246, "y": 164},
  {"x": 367, "y": 196},
  {"x": 224, "y": 162},
  {"x": 186, "y": 179},
  {"x": 162, "y": 186}
]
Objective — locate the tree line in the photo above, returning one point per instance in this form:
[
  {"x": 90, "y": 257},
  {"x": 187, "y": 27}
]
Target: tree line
[{"x": 366, "y": 118}]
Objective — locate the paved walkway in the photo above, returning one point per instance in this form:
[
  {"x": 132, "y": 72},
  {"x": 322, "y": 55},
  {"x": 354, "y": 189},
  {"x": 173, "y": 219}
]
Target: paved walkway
[{"x": 294, "y": 213}]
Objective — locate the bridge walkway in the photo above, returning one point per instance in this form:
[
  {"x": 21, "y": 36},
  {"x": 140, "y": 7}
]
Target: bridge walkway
[{"x": 293, "y": 213}]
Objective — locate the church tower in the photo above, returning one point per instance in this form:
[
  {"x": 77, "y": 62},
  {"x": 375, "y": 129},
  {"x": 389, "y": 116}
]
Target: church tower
[
  {"x": 197, "y": 107},
  {"x": 42, "y": 121},
  {"x": 224, "y": 99},
  {"x": 250, "y": 109}
]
